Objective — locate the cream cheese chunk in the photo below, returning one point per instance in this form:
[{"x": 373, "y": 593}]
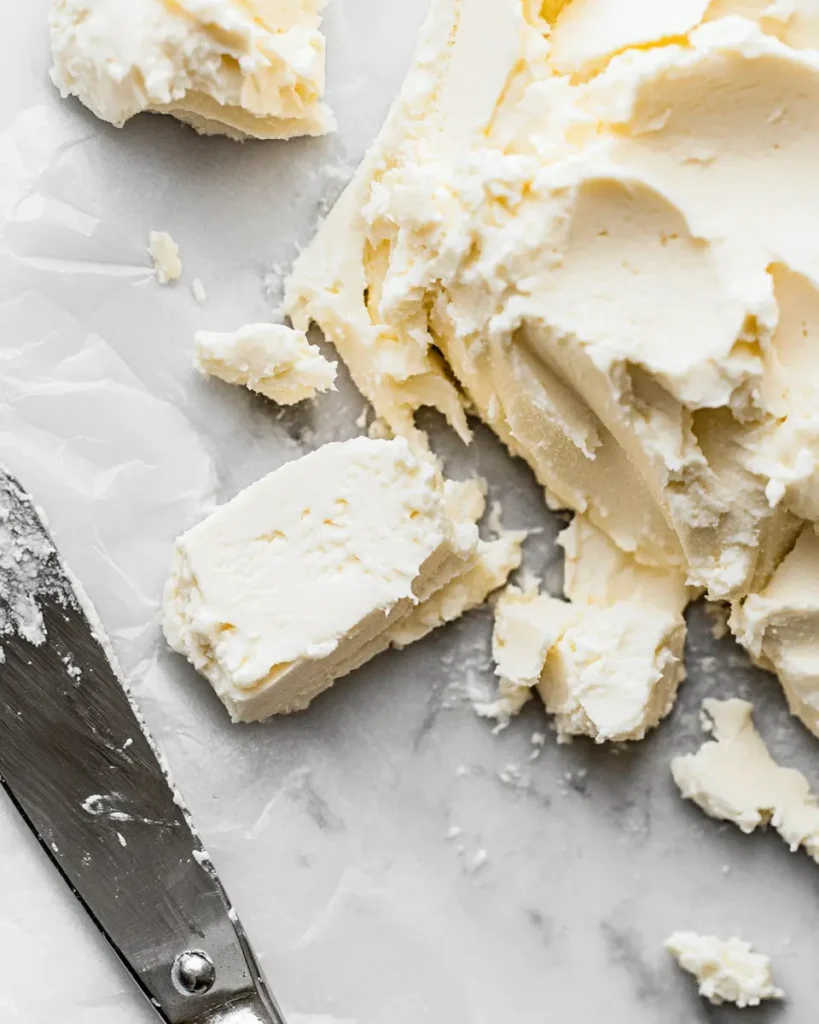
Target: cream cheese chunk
[
  {"x": 595, "y": 223},
  {"x": 242, "y": 68},
  {"x": 780, "y": 627},
  {"x": 734, "y": 778},
  {"x": 165, "y": 254},
  {"x": 317, "y": 567},
  {"x": 608, "y": 662},
  {"x": 727, "y": 970},
  {"x": 271, "y": 359}
]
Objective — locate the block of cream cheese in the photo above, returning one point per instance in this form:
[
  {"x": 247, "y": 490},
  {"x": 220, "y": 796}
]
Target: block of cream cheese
[
  {"x": 242, "y": 68},
  {"x": 309, "y": 572},
  {"x": 608, "y": 662},
  {"x": 271, "y": 359},
  {"x": 734, "y": 778},
  {"x": 727, "y": 970},
  {"x": 568, "y": 220}
]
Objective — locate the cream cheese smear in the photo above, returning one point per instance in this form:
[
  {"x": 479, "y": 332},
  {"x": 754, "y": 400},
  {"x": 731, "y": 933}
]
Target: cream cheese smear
[{"x": 594, "y": 224}]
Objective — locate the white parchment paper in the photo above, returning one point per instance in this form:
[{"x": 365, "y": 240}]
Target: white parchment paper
[{"x": 394, "y": 861}]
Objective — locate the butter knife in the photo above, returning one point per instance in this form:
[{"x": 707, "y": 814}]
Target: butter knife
[{"x": 79, "y": 765}]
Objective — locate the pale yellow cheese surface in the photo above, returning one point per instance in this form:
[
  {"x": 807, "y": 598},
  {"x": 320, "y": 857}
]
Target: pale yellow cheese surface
[{"x": 596, "y": 223}]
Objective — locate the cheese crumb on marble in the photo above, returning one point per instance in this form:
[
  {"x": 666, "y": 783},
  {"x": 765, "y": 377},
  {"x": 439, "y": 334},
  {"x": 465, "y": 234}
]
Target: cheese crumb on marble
[
  {"x": 608, "y": 662},
  {"x": 199, "y": 292},
  {"x": 727, "y": 970},
  {"x": 165, "y": 254},
  {"x": 319, "y": 566},
  {"x": 241, "y": 68},
  {"x": 270, "y": 359},
  {"x": 734, "y": 778}
]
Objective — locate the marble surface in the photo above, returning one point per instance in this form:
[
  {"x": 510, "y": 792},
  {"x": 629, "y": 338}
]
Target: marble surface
[{"x": 393, "y": 860}]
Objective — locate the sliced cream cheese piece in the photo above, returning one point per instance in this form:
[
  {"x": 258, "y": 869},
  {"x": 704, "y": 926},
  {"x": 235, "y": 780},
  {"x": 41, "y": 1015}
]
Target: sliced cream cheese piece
[
  {"x": 614, "y": 672},
  {"x": 608, "y": 662},
  {"x": 727, "y": 970},
  {"x": 311, "y": 571},
  {"x": 271, "y": 359},
  {"x": 242, "y": 68},
  {"x": 734, "y": 778}
]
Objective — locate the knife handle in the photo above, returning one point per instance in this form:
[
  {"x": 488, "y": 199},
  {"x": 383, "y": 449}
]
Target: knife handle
[
  {"x": 249, "y": 1012},
  {"x": 194, "y": 973}
]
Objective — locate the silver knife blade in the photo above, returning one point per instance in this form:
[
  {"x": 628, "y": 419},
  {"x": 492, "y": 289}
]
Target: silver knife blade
[{"x": 82, "y": 770}]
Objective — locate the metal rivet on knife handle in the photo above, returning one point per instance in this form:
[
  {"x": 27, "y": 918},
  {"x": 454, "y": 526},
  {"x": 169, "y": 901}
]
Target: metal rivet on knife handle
[{"x": 193, "y": 972}]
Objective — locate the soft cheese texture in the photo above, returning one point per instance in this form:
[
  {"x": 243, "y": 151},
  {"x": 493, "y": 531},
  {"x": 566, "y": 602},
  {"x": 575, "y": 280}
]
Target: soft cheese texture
[
  {"x": 601, "y": 217},
  {"x": 271, "y": 359},
  {"x": 734, "y": 778},
  {"x": 727, "y": 970},
  {"x": 608, "y": 662},
  {"x": 243, "y": 68},
  {"x": 320, "y": 565},
  {"x": 165, "y": 254},
  {"x": 780, "y": 627}
]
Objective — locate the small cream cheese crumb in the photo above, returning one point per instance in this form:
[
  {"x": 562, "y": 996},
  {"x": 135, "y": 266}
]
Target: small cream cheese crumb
[
  {"x": 727, "y": 970},
  {"x": 165, "y": 254},
  {"x": 199, "y": 291},
  {"x": 241, "y": 68},
  {"x": 608, "y": 662},
  {"x": 734, "y": 778},
  {"x": 314, "y": 569},
  {"x": 271, "y": 359}
]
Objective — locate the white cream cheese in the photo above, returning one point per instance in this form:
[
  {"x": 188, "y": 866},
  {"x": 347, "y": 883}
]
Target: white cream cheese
[
  {"x": 602, "y": 215},
  {"x": 727, "y": 970},
  {"x": 734, "y": 778},
  {"x": 320, "y": 565},
  {"x": 271, "y": 359},
  {"x": 243, "y": 68},
  {"x": 780, "y": 627},
  {"x": 165, "y": 254},
  {"x": 487, "y": 570},
  {"x": 608, "y": 662}
]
